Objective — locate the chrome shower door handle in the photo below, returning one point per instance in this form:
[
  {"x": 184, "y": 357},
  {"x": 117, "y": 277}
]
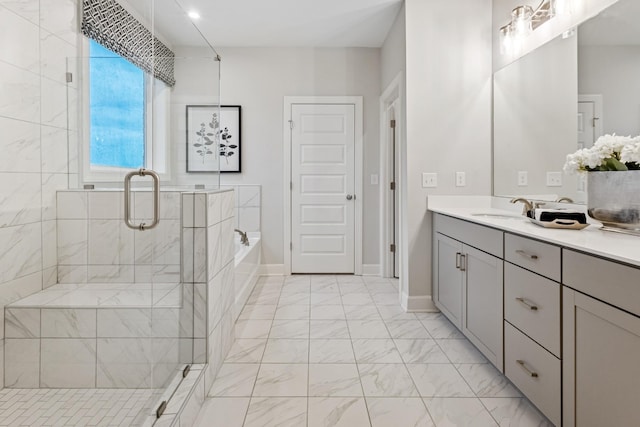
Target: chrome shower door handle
[{"x": 156, "y": 199}]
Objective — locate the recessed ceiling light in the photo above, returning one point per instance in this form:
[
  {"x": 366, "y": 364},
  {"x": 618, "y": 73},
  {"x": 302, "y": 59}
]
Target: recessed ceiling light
[{"x": 194, "y": 15}]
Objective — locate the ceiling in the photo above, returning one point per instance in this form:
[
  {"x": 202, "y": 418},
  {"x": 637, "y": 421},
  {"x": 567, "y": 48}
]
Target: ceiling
[{"x": 275, "y": 23}]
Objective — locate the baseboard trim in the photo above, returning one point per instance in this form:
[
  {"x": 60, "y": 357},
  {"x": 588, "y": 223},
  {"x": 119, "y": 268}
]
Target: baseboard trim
[
  {"x": 418, "y": 304},
  {"x": 271, "y": 270},
  {"x": 371, "y": 269}
]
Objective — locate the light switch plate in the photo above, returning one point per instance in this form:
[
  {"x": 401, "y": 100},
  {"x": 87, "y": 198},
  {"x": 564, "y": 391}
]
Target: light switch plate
[{"x": 429, "y": 180}]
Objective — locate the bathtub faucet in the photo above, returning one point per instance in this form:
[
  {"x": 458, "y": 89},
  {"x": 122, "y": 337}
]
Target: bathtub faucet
[{"x": 243, "y": 237}]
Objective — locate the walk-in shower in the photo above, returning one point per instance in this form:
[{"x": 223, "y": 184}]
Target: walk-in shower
[{"x": 125, "y": 324}]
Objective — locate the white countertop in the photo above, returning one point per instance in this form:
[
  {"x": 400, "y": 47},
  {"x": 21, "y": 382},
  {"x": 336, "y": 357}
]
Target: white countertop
[{"x": 615, "y": 246}]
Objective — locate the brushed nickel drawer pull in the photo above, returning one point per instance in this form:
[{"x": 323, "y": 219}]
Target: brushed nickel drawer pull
[
  {"x": 463, "y": 262},
  {"x": 458, "y": 255},
  {"x": 526, "y": 254},
  {"x": 527, "y": 370},
  {"x": 527, "y": 304}
]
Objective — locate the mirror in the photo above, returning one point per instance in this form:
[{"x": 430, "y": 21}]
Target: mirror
[{"x": 537, "y": 98}]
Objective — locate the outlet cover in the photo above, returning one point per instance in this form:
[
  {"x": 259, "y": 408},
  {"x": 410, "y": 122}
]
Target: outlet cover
[
  {"x": 554, "y": 179},
  {"x": 429, "y": 180},
  {"x": 523, "y": 178},
  {"x": 461, "y": 179}
]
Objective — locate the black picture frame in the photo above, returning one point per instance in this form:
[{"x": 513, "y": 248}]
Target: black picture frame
[{"x": 213, "y": 132}]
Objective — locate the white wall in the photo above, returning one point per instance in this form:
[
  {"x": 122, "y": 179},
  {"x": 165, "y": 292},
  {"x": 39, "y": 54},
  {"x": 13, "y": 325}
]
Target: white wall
[
  {"x": 448, "y": 117},
  {"x": 585, "y": 9},
  {"x": 612, "y": 71},
  {"x": 36, "y": 37},
  {"x": 393, "y": 55},
  {"x": 258, "y": 79}
]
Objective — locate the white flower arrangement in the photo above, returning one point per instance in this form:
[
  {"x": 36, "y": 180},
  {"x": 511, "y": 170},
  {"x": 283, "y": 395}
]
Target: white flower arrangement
[{"x": 609, "y": 153}]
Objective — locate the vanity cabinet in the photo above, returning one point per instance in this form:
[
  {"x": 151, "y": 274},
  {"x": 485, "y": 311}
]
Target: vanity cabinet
[
  {"x": 468, "y": 282},
  {"x": 601, "y": 342}
]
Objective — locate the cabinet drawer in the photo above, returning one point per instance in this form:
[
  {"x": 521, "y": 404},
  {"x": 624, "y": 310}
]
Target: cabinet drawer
[
  {"x": 534, "y": 370},
  {"x": 532, "y": 304},
  {"x": 613, "y": 283},
  {"x": 484, "y": 238},
  {"x": 541, "y": 258}
]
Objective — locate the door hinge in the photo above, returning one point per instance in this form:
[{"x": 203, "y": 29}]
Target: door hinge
[
  {"x": 392, "y": 248},
  {"x": 290, "y": 124},
  {"x": 393, "y": 124},
  {"x": 69, "y": 77},
  {"x": 290, "y": 245},
  {"x": 290, "y": 185},
  {"x": 594, "y": 121},
  {"x": 393, "y": 186}
]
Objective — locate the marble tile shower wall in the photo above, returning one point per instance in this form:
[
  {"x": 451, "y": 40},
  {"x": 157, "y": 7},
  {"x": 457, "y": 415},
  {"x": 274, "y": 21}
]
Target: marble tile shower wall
[
  {"x": 38, "y": 138},
  {"x": 95, "y": 245},
  {"x": 248, "y": 206}
]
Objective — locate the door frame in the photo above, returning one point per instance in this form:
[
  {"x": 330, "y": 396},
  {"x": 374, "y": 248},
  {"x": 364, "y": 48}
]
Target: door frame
[
  {"x": 392, "y": 96},
  {"x": 598, "y": 112},
  {"x": 357, "y": 102}
]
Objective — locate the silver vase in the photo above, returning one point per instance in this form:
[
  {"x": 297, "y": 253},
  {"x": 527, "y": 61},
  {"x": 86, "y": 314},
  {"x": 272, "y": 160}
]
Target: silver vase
[{"x": 614, "y": 199}]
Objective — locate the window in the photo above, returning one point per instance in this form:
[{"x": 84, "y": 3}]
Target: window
[
  {"x": 126, "y": 118},
  {"x": 116, "y": 110}
]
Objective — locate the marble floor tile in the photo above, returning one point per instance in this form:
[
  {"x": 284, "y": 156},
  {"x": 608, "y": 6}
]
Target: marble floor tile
[
  {"x": 299, "y": 279},
  {"x": 331, "y": 351},
  {"x": 376, "y": 351},
  {"x": 459, "y": 412},
  {"x": 441, "y": 328},
  {"x": 327, "y": 287},
  {"x": 286, "y": 351},
  {"x": 361, "y": 312},
  {"x": 252, "y": 328},
  {"x": 327, "y": 312},
  {"x": 461, "y": 351},
  {"x": 292, "y": 312},
  {"x": 514, "y": 412},
  {"x": 351, "y": 288},
  {"x": 294, "y": 299},
  {"x": 277, "y": 412},
  {"x": 487, "y": 381},
  {"x": 394, "y": 312},
  {"x": 439, "y": 380},
  {"x": 386, "y": 299},
  {"x": 386, "y": 380},
  {"x": 367, "y": 329},
  {"x": 325, "y": 298},
  {"x": 322, "y": 279},
  {"x": 289, "y": 329},
  {"x": 338, "y": 380},
  {"x": 407, "y": 329},
  {"x": 223, "y": 412},
  {"x": 282, "y": 380},
  {"x": 344, "y": 279},
  {"x": 235, "y": 380},
  {"x": 338, "y": 412},
  {"x": 328, "y": 329},
  {"x": 420, "y": 351},
  {"x": 397, "y": 412},
  {"x": 258, "y": 311},
  {"x": 246, "y": 351},
  {"x": 357, "y": 299}
]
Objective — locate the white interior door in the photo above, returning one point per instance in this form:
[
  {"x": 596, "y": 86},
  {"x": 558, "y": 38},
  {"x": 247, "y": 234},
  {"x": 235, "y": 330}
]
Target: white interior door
[
  {"x": 586, "y": 124},
  {"x": 322, "y": 188}
]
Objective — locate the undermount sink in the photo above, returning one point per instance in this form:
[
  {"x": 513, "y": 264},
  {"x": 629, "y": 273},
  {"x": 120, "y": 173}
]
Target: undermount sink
[{"x": 498, "y": 216}]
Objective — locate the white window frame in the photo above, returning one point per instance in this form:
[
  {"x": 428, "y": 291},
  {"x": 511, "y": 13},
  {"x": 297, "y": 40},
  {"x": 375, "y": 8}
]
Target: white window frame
[{"x": 157, "y": 132}]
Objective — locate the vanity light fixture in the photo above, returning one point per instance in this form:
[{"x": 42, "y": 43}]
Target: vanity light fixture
[
  {"x": 525, "y": 19},
  {"x": 193, "y": 15}
]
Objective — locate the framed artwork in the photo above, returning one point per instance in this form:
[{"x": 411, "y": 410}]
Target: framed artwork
[{"x": 213, "y": 133}]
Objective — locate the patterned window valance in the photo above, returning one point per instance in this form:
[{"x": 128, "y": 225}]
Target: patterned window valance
[{"x": 108, "y": 23}]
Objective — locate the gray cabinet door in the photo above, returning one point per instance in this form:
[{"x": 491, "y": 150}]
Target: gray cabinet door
[
  {"x": 448, "y": 278},
  {"x": 601, "y": 368}
]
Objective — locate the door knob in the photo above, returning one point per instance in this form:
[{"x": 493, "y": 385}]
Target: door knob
[{"x": 349, "y": 197}]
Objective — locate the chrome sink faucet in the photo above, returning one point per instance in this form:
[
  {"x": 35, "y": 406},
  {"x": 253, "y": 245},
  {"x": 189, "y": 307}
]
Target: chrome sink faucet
[
  {"x": 243, "y": 237},
  {"x": 527, "y": 206}
]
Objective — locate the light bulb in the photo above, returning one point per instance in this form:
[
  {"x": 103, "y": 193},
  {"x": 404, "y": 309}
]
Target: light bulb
[{"x": 521, "y": 20}]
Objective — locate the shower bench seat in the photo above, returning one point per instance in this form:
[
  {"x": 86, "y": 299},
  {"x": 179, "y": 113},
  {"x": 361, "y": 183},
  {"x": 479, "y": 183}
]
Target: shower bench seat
[{"x": 120, "y": 335}]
